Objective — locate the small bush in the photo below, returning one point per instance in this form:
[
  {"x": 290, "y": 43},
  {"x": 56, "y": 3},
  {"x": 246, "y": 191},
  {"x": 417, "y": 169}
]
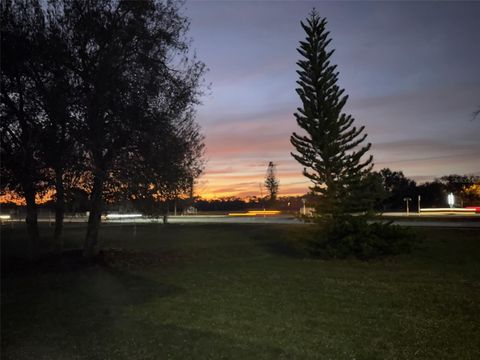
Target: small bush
[{"x": 347, "y": 236}]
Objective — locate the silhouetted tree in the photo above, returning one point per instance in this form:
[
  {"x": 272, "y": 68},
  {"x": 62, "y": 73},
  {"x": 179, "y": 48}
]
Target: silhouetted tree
[
  {"x": 333, "y": 153},
  {"x": 398, "y": 187},
  {"x": 45, "y": 70},
  {"x": 459, "y": 185},
  {"x": 21, "y": 33},
  {"x": 332, "y": 148},
  {"x": 433, "y": 194},
  {"x": 54, "y": 84},
  {"x": 167, "y": 165},
  {"x": 374, "y": 194},
  {"x": 129, "y": 58},
  {"x": 271, "y": 182}
]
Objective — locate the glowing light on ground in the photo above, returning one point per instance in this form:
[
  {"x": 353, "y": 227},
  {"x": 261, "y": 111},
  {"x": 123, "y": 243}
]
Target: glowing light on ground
[
  {"x": 122, "y": 216},
  {"x": 449, "y": 210},
  {"x": 256, "y": 213}
]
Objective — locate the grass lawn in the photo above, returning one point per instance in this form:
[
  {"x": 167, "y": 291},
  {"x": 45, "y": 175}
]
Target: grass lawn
[{"x": 227, "y": 292}]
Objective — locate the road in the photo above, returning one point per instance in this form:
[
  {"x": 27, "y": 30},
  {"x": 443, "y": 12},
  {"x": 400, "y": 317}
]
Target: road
[{"x": 225, "y": 219}]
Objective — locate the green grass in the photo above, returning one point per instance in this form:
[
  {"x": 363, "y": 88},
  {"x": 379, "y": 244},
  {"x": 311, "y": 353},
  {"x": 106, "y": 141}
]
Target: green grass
[{"x": 228, "y": 292}]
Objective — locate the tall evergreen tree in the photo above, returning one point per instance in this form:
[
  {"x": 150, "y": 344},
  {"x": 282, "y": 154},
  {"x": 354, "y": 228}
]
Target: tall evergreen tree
[
  {"x": 331, "y": 150},
  {"x": 271, "y": 181},
  {"x": 334, "y": 155}
]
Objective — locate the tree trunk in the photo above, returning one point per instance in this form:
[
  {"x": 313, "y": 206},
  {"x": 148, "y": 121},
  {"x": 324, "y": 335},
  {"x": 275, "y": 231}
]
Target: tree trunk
[
  {"x": 31, "y": 220},
  {"x": 59, "y": 210},
  {"x": 165, "y": 214},
  {"x": 96, "y": 206}
]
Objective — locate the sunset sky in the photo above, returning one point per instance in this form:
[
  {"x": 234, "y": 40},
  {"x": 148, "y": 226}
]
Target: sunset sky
[{"x": 411, "y": 69}]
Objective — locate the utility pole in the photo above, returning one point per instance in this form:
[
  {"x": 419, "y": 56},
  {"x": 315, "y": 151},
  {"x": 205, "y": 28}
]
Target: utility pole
[
  {"x": 419, "y": 198},
  {"x": 407, "y": 199}
]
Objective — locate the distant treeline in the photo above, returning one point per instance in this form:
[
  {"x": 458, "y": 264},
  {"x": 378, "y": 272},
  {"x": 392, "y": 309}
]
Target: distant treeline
[
  {"x": 394, "y": 187},
  {"x": 388, "y": 188}
]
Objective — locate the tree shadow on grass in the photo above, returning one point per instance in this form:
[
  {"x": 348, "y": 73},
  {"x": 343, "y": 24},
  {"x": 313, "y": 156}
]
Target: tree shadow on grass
[
  {"x": 54, "y": 305},
  {"x": 290, "y": 243},
  {"x": 73, "y": 260},
  {"x": 101, "y": 313},
  {"x": 89, "y": 286}
]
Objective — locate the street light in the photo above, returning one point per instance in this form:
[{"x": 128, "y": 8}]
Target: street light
[{"x": 451, "y": 200}]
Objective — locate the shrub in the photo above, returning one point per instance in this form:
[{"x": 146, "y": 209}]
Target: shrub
[{"x": 347, "y": 236}]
